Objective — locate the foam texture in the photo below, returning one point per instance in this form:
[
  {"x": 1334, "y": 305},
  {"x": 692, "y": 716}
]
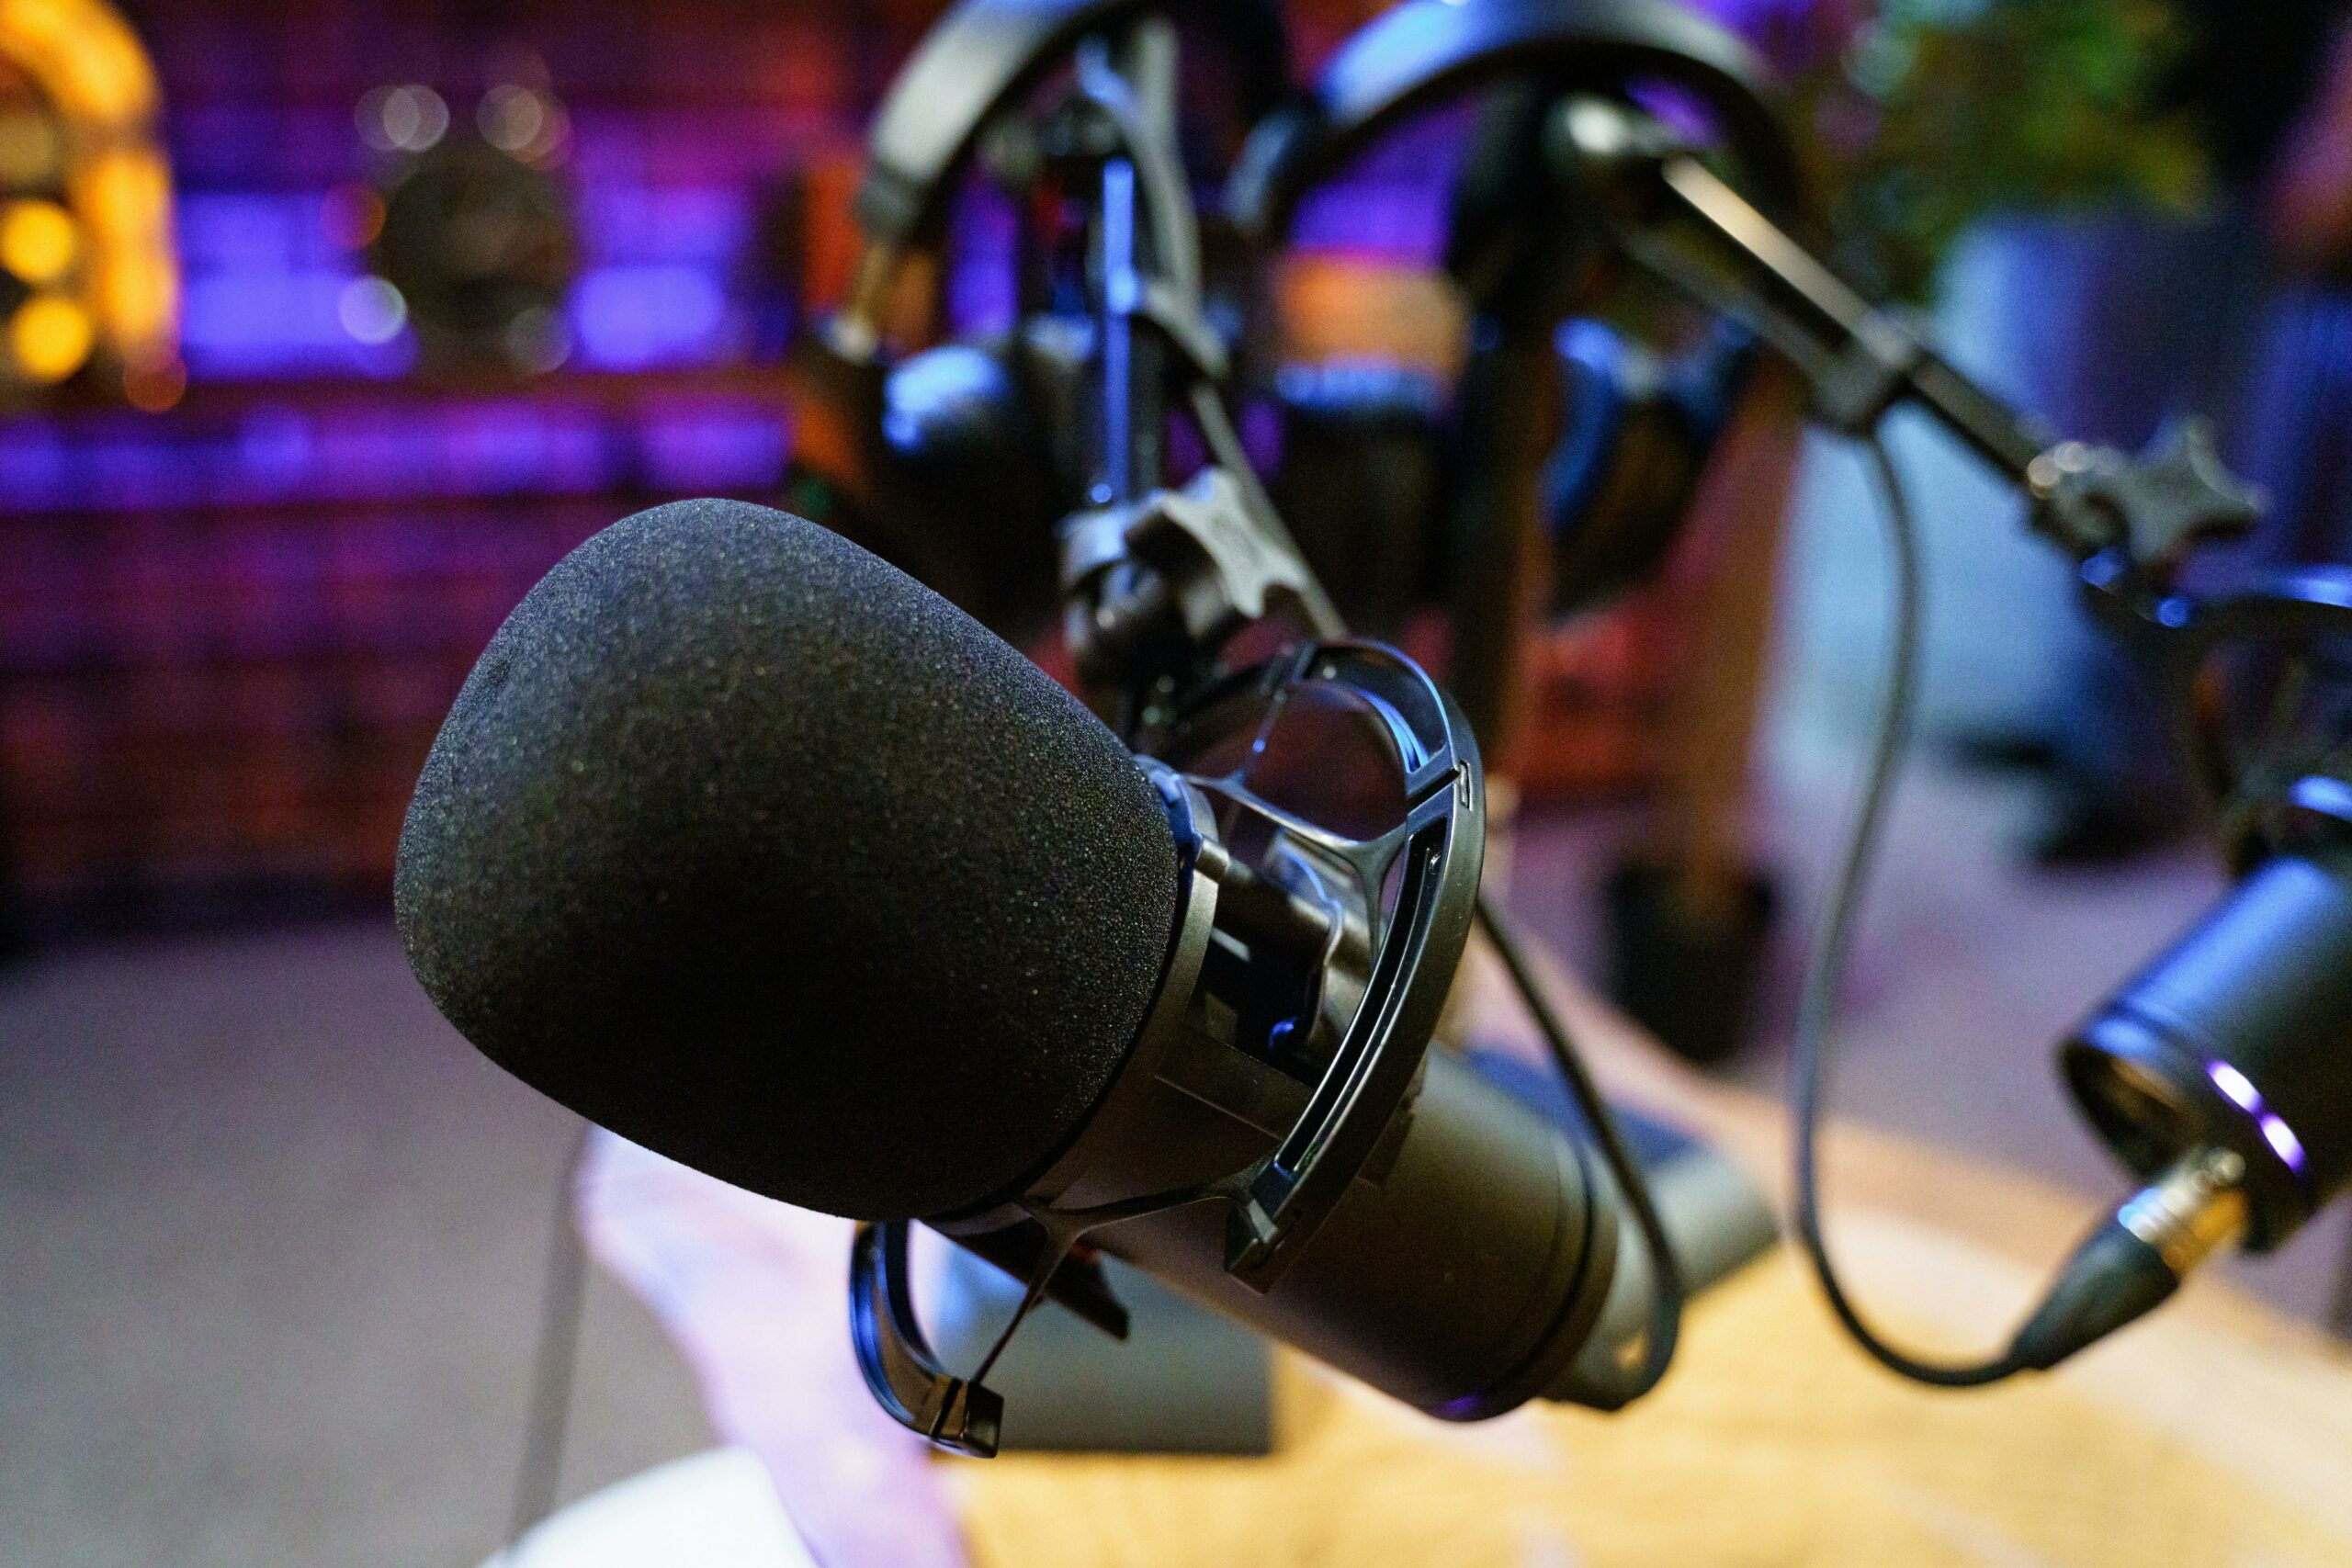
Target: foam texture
[{"x": 751, "y": 848}]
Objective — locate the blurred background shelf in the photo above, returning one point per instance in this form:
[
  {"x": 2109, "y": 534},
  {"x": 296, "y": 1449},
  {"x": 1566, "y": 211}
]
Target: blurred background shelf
[{"x": 229, "y": 624}]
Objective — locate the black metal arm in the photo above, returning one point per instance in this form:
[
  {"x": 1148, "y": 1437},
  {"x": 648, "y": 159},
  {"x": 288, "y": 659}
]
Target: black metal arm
[{"x": 1863, "y": 359}]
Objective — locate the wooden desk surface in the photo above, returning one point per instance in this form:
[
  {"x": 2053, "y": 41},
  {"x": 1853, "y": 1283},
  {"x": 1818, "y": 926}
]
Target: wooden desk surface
[{"x": 2215, "y": 1434}]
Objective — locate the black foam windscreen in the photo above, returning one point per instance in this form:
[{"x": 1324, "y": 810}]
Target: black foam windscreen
[{"x": 751, "y": 848}]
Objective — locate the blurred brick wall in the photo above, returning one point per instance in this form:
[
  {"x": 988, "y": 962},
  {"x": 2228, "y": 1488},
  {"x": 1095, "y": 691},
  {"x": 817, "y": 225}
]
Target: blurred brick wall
[
  {"x": 228, "y": 632},
  {"x": 229, "y": 697}
]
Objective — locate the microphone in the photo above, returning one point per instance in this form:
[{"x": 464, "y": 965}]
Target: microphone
[
  {"x": 745, "y": 845},
  {"x": 2221, "y": 1074}
]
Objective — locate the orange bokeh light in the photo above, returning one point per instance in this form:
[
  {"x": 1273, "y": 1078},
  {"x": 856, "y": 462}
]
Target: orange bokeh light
[
  {"x": 155, "y": 387},
  {"x": 352, "y": 215}
]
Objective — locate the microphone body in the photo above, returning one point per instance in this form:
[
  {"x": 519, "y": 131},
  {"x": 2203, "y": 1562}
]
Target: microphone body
[
  {"x": 2221, "y": 1074},
  {"x": 746, "y": 845},
  {"x": 2239, "y": 1038},
  {"x": 1460, "y": 1273}
]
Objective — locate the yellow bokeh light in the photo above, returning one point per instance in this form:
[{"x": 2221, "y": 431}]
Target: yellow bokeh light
[
  {"x": 84, "y": 55},
  {"x": 126, "y": 192},
  {"x": 139, "y": 295},
  {"x": 38, "y": 240},
  {"x": 50, "y": 336},
  {"x": 102, "y": 258},
  {"x": 32, "y": 144}
]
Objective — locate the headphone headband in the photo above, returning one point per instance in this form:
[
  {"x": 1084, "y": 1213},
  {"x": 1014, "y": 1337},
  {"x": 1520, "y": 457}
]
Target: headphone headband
[
  {"x": 982, "y": 55},
  {"x": 1428, "y": 49}
]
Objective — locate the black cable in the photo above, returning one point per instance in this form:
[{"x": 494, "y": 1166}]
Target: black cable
[
  {"x": 1665, "y": 1271},
  {"x": 556, "y": 1357},
  {"x": 1817, "y": 1013}
]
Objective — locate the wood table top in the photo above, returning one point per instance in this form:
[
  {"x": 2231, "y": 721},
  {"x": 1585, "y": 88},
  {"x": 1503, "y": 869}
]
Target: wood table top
[{"x": 2215, "y": 1433}]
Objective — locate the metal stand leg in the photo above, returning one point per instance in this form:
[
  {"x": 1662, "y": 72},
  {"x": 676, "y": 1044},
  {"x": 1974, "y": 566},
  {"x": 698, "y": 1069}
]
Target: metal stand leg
[
  {"x": 557, "y": 1358},
  {"x": 2339, "y": 1310}
]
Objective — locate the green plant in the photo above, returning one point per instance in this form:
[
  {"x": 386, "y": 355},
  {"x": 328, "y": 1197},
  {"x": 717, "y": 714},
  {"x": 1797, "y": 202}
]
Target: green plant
[{"x": 1943, "y": 112}]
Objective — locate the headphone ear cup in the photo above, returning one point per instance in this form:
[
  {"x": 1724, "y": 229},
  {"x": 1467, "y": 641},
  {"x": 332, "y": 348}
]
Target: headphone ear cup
[
  {"x": 1636, "y": 437},
  {"x": 970, "y": 475},
  {"x": 1361, "y": 484},
  {"x": 932, "y": 463}
]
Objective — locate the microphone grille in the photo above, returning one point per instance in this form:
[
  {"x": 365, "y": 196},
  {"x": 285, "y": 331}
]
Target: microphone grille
[{"x": 751, "y": 848}]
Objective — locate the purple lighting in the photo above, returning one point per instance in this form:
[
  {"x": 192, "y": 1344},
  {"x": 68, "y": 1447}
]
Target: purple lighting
[
  {"x": 2235, "y": 1084},
  {"x": 2282, "y": 1138},
  {"x": 2245, "y": 1097},
  {"x": 633, "y": 317}
]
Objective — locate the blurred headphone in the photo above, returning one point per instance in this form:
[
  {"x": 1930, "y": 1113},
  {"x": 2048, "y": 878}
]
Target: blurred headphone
[
  {"x": 1371, "y": 452},
  {"x": 901, "y": 453},
  {"x": 1403, "y": 498}
]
